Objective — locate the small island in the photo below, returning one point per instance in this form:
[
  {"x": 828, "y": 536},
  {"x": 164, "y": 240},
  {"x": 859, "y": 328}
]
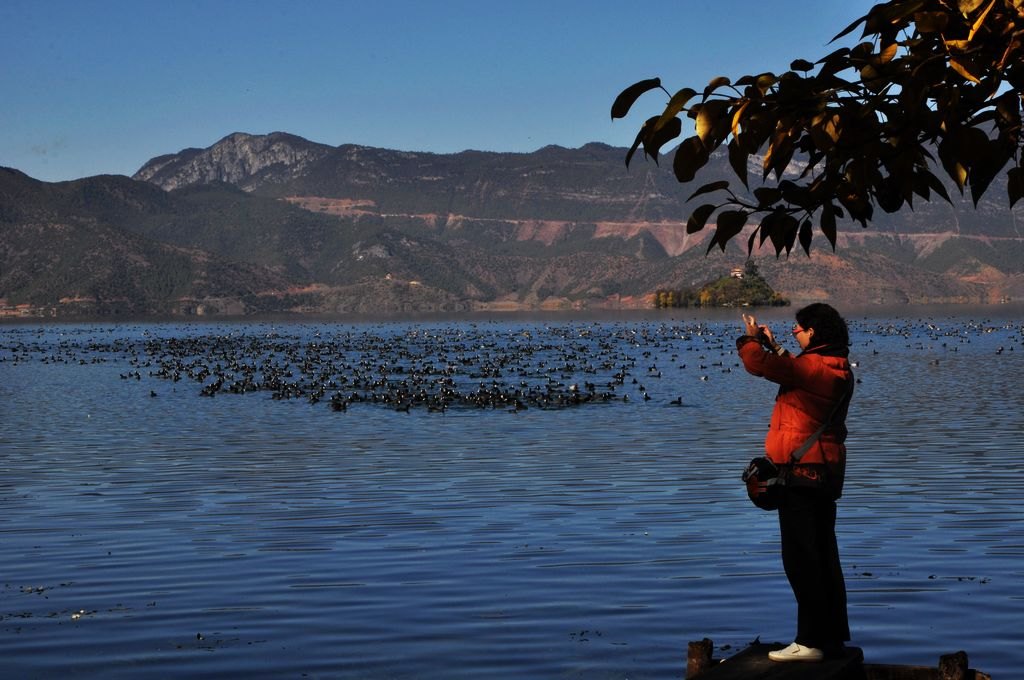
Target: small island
[{"x": 740, "y": 288}]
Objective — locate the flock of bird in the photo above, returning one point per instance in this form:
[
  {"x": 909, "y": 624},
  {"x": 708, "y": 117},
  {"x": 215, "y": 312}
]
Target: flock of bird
[
  {"x": 467, "y": 365},
  {"x": 485, "y": 366},
  {"x": 435, "y": 369}
]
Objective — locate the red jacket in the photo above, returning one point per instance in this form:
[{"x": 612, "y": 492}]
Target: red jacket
[{"x": 810, "y": 385}]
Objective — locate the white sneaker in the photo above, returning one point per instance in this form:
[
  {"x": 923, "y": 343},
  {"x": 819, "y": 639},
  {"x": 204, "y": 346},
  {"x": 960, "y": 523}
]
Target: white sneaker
[{"x": 796, "y": 652}]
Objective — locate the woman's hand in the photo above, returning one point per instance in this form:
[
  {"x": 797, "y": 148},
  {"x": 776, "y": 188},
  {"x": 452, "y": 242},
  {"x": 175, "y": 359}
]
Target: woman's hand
[
  {"x": 752, "y": 329},
  {"x": 759, "y": 331}
]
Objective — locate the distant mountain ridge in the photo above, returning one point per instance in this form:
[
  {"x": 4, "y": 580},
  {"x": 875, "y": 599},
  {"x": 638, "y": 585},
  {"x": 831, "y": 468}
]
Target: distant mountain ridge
[
  {"x": 552, "y": 183},
  {"x": 276, "y": 223},
  {"x": 937, "y": 251},
  {"x": 62, "y": 253},
  {"x": 240, "y": 159}
]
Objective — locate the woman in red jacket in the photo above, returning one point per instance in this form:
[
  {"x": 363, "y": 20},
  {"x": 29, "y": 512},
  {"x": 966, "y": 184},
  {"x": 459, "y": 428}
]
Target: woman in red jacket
[{"x": 814, "y": 387}]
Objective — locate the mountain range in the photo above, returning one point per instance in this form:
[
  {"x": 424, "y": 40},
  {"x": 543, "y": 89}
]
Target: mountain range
[{"x": 279, "y": 224}]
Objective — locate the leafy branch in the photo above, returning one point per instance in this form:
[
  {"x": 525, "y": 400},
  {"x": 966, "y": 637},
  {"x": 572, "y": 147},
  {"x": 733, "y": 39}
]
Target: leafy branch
[{"x": 932, "y": 83}]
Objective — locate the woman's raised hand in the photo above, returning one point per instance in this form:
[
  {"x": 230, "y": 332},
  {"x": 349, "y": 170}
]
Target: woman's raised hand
[
  {"x": 750, "y": 322},
  {"x": 761, "y": 332}
]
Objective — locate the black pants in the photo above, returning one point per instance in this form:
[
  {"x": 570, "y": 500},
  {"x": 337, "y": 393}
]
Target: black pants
[{"x": 810, "y": 556}]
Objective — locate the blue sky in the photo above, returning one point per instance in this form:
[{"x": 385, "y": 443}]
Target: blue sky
[{"x": 93, "y": 87}]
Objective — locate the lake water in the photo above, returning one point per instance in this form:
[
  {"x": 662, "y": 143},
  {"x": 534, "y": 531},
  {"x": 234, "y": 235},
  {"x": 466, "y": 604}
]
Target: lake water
[{"x": 447, "y": 531}]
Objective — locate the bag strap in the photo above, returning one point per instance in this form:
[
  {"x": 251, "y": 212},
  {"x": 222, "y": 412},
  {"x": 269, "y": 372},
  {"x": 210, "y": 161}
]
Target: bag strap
[{"x": 806, "y": 446}]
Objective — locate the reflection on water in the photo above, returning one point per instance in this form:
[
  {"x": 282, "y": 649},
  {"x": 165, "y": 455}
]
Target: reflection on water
[{"x": 149, "y": 530}]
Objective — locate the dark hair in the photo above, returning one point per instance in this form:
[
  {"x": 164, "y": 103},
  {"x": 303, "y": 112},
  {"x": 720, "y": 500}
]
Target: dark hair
[{"x": 829, "y": 327}]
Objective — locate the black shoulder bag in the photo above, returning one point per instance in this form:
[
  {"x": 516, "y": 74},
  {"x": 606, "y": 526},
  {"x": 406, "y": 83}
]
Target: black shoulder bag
[{"x": 765, "y": 480}]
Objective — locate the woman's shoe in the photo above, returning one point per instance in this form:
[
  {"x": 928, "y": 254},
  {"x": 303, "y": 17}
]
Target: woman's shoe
[{"x": 796, "y": 652}]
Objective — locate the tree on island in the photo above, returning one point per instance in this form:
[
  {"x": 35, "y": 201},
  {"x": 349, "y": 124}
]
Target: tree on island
[
  {"x": 931, "y": 79},
  {"x": 736, "y": 289}
]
